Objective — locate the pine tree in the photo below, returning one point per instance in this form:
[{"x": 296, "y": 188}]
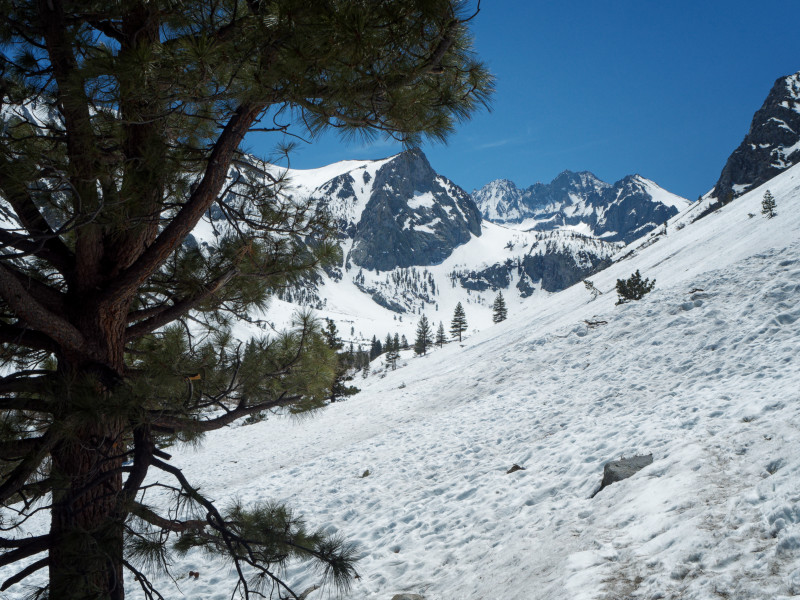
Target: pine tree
[
  {"x": 768, "y": 205},
  {"x": 459, "y": 323},
  {"x": 375, "y": 349},
  {"x": 440, "y": 335},
  {"x": 633, "y": 288},
  {"x": 403, "y": 342},
  {"x": 499, "y": 312},
  {"x": 120, "y": 125},
  {"x": 339, "y": 387},
  {"x": 423, "y": 339}
]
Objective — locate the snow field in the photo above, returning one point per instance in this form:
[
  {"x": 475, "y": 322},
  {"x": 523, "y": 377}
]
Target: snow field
[{"x": 703, "y": 373}]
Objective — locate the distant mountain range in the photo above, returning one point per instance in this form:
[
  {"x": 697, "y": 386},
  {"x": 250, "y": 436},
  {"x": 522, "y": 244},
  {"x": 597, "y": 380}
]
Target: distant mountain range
[
  {"x": 414, "y": 242},
  {"x": 619, "y": 212}
]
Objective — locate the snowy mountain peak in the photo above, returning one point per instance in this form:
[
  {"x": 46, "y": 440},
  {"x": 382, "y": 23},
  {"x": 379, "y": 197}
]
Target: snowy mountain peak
[
  {"x": 620, "y": 212},
  {"x": 771, "y": 145}
]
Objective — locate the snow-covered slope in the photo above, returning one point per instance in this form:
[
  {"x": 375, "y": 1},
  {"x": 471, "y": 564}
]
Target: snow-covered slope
[{"x": 702, "y": 373}]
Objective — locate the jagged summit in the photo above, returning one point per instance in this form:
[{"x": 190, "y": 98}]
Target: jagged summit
[
  {"x": 771, "y": 145},
  {"x": 392, "y": 213},
  {"x": 623, "y": 211}
]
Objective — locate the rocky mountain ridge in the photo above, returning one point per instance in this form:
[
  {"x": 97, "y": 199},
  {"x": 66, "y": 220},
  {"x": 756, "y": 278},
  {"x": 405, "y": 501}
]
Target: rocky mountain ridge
[
  {"x": 771, "y": 145},
  {"x": 619, "y": 212}
]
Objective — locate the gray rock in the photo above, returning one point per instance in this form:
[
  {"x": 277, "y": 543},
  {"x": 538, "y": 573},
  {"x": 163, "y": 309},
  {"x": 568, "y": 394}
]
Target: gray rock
[
  {"x": 617, "y": 470},
  {"x": 397, "y": 229},
  {"x": 408, "y": 597},
  {"x": 557, "y": 269},
  {"x": 769, "y": 147}
]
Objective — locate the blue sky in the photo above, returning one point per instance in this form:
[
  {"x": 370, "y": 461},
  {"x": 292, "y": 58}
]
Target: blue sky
[{"x": 663, "y": 89}]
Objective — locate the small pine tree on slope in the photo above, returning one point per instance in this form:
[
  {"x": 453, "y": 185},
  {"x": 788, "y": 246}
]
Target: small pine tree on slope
[
  {"x": 459, "y": 323},
  {"x": 440, "y": 335},
  {"x": 423, "y": 339},
  {"x": 633, "y": 288},
  {"x": 339, "y": 387},
  {"x": 499, "y": 311},
  {"x": 768, "y": 205}
]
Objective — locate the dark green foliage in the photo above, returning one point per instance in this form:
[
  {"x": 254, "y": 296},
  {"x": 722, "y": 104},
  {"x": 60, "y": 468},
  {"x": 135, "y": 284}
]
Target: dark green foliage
[
  {"x": 376, "y": 349},
  {"x": 423, "y": 339},
  {"x": 459, "y": 323},
  {"x": 440, "y": 335},
  {"x": 392, "y": 348},
  {"x": 768, "y": 205},
  {"x": 120, "y": 131},
  {"x": 633, "y": 288},
  {"x": 339, "y": 388},
  {"x": 499, "y": 311}
]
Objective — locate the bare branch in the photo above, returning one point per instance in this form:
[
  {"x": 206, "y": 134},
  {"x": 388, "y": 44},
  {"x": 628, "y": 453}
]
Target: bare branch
[
  {"x": 175, "y": 424},
  {"x": 28, "y": 338},
  {"x": 17, "y": 478},
  {"x": 147, "y": 514},
  {"x": 30, "y": 547},
  {"x": 29, "y": 570},
  {"x": 37, "y": 316}
]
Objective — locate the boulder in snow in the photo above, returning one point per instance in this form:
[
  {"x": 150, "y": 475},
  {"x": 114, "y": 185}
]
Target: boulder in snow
[{"x": 617, "y": 470}]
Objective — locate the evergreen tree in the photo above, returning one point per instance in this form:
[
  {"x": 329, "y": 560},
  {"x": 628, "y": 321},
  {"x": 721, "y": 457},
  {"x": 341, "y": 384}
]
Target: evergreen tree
[
  {"x": 339, "y": 387},
  {"x": 331, "y": 335},
  {"x": 403, "y": 342},
  {"x": 459, "y": 323},
  {"x": 120, "y": 125},
  {"x": 440, "y": 335},
  {"x": 768, "y": 205},
  {"x": 633, "y": 288},
  {"x": 499, "y": 312},
  {"x": 376, "y": 349},
  {"x": 423, "y": 339},
  {"x": 396, "y": 343}
]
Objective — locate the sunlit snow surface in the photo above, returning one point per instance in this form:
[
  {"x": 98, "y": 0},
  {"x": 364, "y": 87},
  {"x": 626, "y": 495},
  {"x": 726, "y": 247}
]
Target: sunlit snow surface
[
  {"x": 706, "y": 380},
  {"x": 702, "y": 373}
]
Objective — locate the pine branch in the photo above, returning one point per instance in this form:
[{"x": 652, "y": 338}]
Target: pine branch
[
  {"x": 15, "y": 449},
  {"x": 169, "y": 424},
  {"x": 17, "y": 478},
  {"x": 29, "y": 570},
  {"x": 29, "y": 310},
  {"x": 27, "y": 338},
  {"x": 49, "y": 297},
  {"x": 177, "y": 309},
  {"x": 28, "y": 548},
  {"x": 189, "y": 215},
  {"x": 24, "y": 382},
  {"x": 53, "y": 250},
  {"x": 148, "y": 515}
]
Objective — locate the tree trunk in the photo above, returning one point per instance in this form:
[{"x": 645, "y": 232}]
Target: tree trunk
[
  {"x": 87, "y": 536},
  {"x": 86, "y": 551}
]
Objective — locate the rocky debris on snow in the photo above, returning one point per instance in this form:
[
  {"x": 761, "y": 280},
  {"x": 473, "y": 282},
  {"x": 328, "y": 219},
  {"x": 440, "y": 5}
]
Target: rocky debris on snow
[
  {"x": 515, "y": 467},
  {"x": 617, "y": 470},
  {"x": 408, "y": 597}
]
